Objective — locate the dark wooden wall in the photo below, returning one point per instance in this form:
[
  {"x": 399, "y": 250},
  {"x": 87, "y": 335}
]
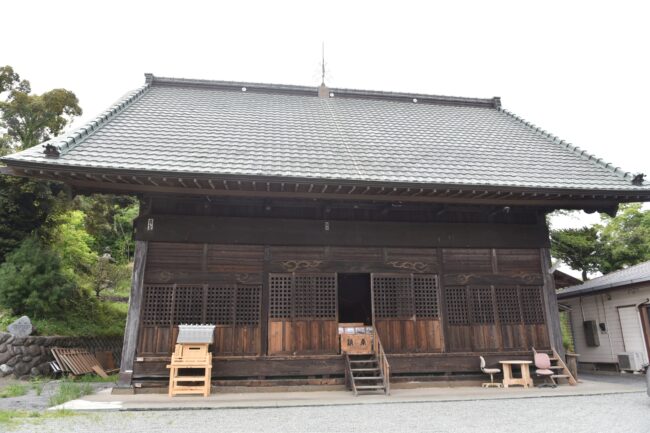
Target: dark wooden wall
[
  {"x": 448, "y": 283},
  {"x": 280, "y": 300}
]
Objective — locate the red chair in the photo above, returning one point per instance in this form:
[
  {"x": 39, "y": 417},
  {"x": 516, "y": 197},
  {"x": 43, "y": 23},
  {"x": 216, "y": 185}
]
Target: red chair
[{"x": 543, "y": 365}]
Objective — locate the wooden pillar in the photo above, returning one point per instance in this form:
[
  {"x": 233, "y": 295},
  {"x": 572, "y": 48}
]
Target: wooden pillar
[
  {"x": 133, "y": 316},
  {"x": 550, "y": 304}
]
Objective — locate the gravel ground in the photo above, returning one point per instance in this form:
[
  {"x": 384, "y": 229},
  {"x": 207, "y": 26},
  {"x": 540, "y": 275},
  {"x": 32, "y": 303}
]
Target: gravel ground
[{"x": 629, "y": 413}]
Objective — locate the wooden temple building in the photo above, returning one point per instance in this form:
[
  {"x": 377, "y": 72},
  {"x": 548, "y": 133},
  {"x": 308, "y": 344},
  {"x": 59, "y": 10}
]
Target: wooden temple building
[{"x": 277, "y": 212}]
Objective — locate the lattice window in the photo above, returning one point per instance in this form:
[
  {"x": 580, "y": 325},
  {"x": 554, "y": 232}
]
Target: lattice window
[
  {"x": 248, "y": 305},
  {"x": 393, "y": 296},
  {"x": 532, "y": 309},
  {"x": 220, "y": 305},
  {"x": 324, "y": 298},
  {"x": 481, "y": 305},
  {"x": 456, "y": 305},
  {"x": 281, "y": 296},
  {"x": 188, "y": 304},
  {"x": 157, "y": 305},
  {"x": 303, "y": 296},
  {"x": 425, "y": 290},
  {"x": 508, "y": 308}
]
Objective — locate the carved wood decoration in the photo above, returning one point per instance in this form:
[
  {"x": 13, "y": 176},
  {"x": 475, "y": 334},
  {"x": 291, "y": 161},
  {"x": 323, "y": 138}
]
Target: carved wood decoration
[{"x": 299, "y": 265}]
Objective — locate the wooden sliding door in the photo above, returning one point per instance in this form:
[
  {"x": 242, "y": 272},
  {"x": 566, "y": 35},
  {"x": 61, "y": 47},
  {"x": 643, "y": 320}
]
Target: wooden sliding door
[
  {"x": 303, "y": 313},
  {"x": 406, "y": 312}
]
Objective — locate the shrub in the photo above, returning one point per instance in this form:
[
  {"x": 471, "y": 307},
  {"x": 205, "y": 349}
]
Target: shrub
[{"x": 32, "y": 282}]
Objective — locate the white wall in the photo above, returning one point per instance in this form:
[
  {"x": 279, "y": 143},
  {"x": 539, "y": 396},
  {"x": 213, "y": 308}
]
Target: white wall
[{"x": 602, "y": 308}]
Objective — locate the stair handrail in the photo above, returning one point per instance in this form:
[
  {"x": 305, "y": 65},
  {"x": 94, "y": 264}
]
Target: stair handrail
[
  {"x": 382, "y": 360},
  {"x": 349, "y": 379}
]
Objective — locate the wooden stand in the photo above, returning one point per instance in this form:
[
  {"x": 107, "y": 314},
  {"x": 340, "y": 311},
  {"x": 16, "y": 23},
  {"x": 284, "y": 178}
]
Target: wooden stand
[{"x": 190, "y": 356}]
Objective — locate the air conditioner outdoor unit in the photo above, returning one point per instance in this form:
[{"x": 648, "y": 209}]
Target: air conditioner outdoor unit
[{"x": 630, "y": 361}]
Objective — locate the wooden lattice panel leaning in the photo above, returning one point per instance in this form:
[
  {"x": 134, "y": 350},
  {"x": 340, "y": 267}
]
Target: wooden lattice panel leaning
[{"x": 77, "y": 361}]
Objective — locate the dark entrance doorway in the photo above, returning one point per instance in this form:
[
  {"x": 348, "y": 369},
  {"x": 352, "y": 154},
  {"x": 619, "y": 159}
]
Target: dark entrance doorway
[{"x": 355, "y": 305}]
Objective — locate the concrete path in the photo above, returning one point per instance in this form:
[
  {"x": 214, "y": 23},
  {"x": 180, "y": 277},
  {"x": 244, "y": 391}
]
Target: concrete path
[{"x": 589, "y": 386}]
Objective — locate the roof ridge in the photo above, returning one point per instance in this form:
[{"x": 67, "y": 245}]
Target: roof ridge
[
  {"x": 576, "y": 150},
  {"x": 57, "y": 147},
  {"x": 493, "y": 102}
]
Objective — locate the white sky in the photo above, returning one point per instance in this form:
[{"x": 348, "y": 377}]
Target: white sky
[{"x": 580, "y": 70}]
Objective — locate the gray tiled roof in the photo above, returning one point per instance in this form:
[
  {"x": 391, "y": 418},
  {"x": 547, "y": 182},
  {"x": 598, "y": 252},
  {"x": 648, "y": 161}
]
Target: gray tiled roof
[
  {"x": 634, "y": 274},
  {"x": 199, "y": 127}
]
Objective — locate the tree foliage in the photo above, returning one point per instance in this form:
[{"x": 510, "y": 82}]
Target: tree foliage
[
  {"x": 617, "y": 242},
  {"x": 25, "y": 205},
  {"x": 28, "y": 119},
  {"x": 32, "y": 282},
  {"x": 110, "y": 222},
  {"x": 625, "y": 239},
  {"x": 578, "y": 248}
]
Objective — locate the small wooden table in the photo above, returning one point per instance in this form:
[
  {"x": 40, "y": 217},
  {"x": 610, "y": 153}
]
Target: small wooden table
[{"x": 525, "y": 379}]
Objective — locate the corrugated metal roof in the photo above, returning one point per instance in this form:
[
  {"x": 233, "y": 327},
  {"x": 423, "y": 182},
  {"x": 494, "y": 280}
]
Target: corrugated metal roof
[
  {"x": 195, "y": 334},
  {"x": 634, "y": 274},
  {"x": 206, "y": 127}
]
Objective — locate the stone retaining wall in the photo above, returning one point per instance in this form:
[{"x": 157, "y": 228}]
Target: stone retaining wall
[{"x": 29, "y": 357}]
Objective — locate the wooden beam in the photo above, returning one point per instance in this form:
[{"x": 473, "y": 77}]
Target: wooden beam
[
  {"x": 552, "y": 312},
  {"x": 431, "y": 197},
  {"x": 133, "y": 315},
  {"x": 277, "y": 231}
]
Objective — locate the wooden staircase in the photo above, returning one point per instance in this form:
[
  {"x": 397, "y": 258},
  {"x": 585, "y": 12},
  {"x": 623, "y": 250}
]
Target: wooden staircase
[
  {"x": 368, "y": 373},
  {"x": 559, "y": 367}
]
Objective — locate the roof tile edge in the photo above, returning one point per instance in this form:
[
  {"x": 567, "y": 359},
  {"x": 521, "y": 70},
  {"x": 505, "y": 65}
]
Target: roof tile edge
[
  {"x": 635, "y": 179},
  {"x": 57, "y": 147},
  {"x": 494, "y": 102}
]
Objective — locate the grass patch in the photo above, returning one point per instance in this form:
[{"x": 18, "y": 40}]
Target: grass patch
[
  {"x": 14, "y": 390},
  {"x": 93, "y": 378},
  {"x": 96, "y": 319},
  {"x": 12, "y": 417},
  {"x": 70, "y": 391},
  {"x": 37, "y": 385}
]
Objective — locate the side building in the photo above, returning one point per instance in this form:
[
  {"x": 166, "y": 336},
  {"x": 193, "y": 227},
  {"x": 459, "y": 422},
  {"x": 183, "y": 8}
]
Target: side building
[
  {"x": 609, "y": 318},
  {"x": 278, "y": 212}
]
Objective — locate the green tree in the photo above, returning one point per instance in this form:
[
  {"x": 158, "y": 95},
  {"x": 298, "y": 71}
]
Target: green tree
[
  {"x": 32, "y": 282},
  {"x": 68, "y": 236},
  {"x": 26, "y": 119},
  {"x": 110, "y": 223},
  {"x": 578, "y": 248},
  {"x": 613, "y": 244},
  {"x": 29, "y": 119},
  {"x": 24, "y": 207},
  {"x": 625, "y": 239}
]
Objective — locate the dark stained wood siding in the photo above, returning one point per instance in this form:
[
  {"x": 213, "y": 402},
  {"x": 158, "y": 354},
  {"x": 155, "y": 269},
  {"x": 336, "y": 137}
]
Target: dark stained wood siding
[{"x": 486, "y": 300}]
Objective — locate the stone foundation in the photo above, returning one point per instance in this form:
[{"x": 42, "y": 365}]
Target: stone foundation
[{"x": 28, "y": 357}]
